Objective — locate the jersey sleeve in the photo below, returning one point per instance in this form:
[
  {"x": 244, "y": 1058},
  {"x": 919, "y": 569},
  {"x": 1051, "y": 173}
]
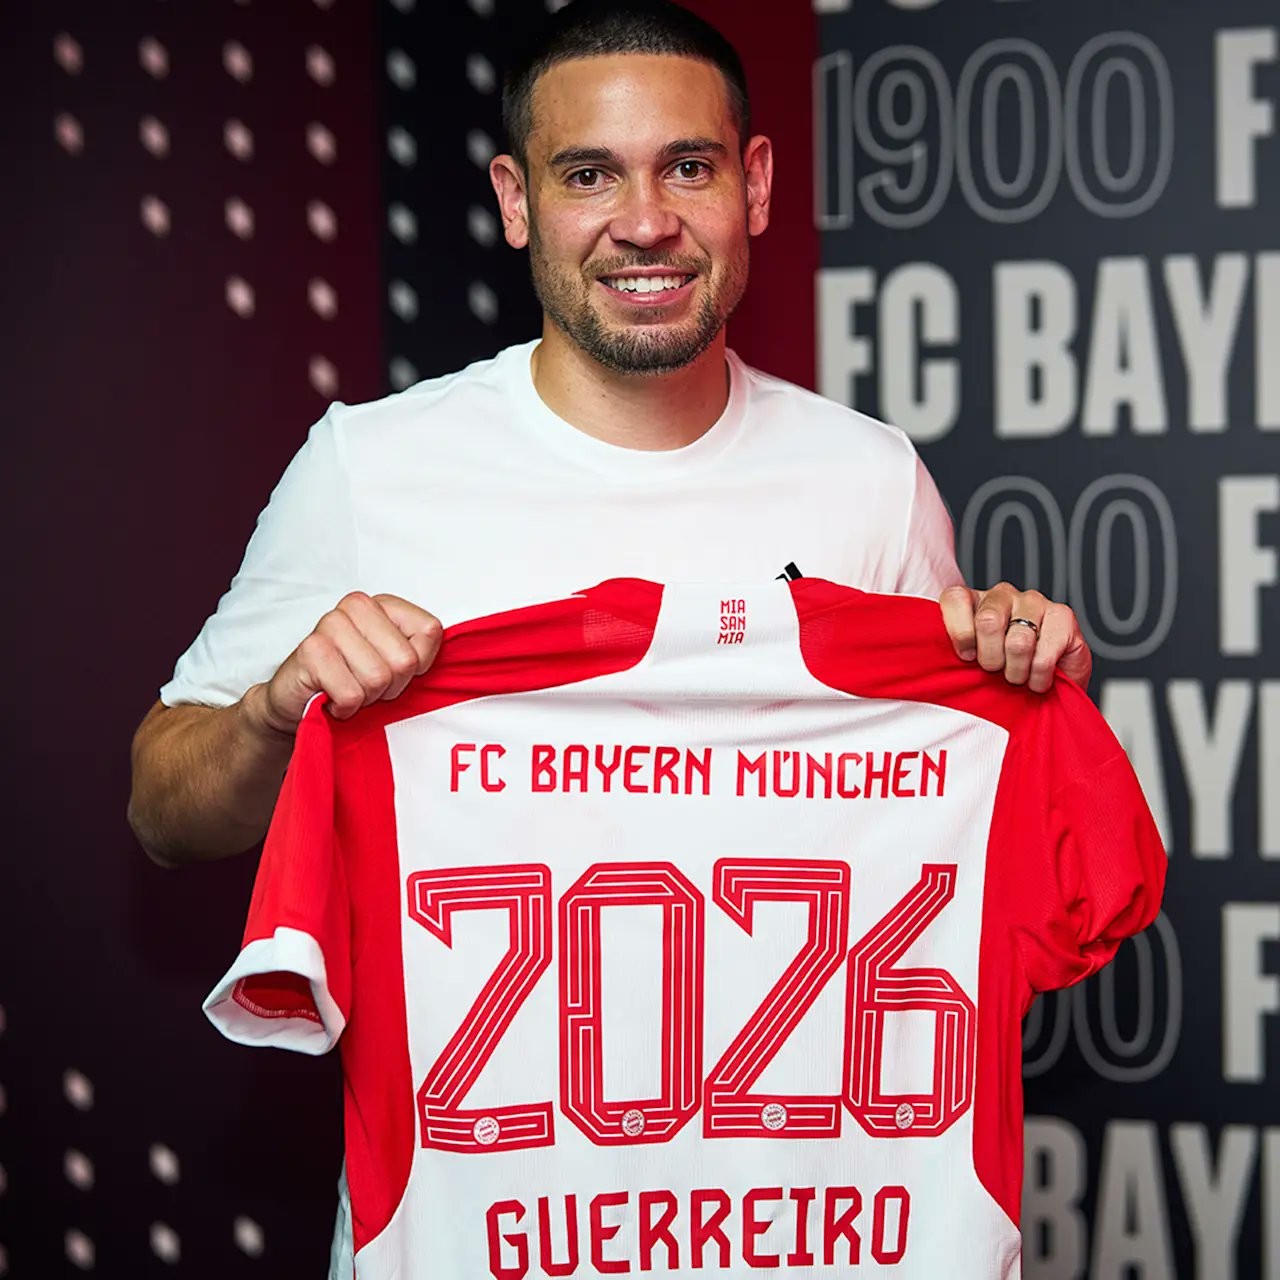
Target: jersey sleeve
[
  {"x": 1095, "y": 870},
  {"x": 299, "y": 562},
  {"x": 290, "y": 986},
  {"x": 928, "y": 562}
]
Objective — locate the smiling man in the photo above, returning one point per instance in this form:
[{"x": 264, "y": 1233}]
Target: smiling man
[{"x": 626, "y": 442}]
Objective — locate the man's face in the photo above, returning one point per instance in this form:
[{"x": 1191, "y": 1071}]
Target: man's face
[{"x": 639, "y": 207}]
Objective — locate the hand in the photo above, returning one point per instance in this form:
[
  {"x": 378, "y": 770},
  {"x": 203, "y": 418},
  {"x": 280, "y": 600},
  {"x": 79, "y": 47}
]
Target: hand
[
  {"x": 365, "y": 649},
  {"x": 980, "y": 624}
]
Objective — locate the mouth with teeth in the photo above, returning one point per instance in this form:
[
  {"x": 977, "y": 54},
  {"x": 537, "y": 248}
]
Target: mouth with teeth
[{"x": 637, "y": 285}]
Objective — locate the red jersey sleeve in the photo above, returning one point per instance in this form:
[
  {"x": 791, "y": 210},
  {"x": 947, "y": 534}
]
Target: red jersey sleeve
[
  {"x": 1096, "y": 862},
  {"x": 290, "y": 986}
]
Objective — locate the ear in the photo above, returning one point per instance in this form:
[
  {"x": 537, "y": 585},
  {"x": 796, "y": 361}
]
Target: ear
[
  {"x": 513, "y": 199},
  {"x": 757, "y": 164}
]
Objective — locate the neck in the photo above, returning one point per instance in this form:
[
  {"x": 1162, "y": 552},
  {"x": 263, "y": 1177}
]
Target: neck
[{"x": 632, "y": 410}]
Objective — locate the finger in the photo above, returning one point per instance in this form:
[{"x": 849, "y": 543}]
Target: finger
[
  {"x": 1022, "y": 643},
  {"x": 362, "y": 657},
  {"x": 1062, "y": 649},
  {"x": 423, "y": 630},
  {"x": 396, "y": 651},
  {"x": 318, "y": 665},
  {"x": 990, "y": 623},
  {"x": 957, "y": 616}
]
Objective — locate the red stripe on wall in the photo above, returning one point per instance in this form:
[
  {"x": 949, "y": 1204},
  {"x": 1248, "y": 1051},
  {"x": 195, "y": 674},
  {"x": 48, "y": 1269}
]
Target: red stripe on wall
[{"x": 775, "y": 326}]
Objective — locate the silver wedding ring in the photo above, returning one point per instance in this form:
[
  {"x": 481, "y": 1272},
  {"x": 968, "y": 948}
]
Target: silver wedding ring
[{"x": 1025, "y": 622}]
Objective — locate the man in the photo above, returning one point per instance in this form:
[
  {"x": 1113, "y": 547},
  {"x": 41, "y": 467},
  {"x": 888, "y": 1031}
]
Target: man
[{"x": 626, "y": 442}]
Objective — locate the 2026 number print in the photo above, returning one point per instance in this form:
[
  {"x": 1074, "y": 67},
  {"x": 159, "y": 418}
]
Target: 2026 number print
[{"x": 876, "y": 987}]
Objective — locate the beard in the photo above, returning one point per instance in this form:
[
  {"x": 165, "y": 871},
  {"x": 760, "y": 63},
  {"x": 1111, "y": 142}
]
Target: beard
[{"x": 652, "y": 347}]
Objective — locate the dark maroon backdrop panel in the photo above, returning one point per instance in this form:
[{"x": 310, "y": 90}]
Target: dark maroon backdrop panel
[{"x": 169, "y": 330}]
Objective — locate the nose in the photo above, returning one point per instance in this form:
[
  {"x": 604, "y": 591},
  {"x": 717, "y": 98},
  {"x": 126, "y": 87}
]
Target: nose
[{"x": 645, "y": 216}]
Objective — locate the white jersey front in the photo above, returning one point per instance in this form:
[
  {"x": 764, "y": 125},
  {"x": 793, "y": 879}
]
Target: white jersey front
[{"x": 687, "y": 930}]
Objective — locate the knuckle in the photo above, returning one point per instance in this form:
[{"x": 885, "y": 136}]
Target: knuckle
[
  {"x": 403, "y": 663},
  {"x": 314, "y": 648},
  {"x": 331, "y": 623},
  {"x": 376, "y": 677},
  {"x": 352, "y": 600}
]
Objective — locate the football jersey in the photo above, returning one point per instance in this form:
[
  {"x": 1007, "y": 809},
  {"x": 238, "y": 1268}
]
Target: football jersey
[{"x": 688, "y": 930}]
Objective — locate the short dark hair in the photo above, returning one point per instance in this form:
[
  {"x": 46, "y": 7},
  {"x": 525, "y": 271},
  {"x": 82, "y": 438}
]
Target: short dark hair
[{"x": 591, "y": 28}]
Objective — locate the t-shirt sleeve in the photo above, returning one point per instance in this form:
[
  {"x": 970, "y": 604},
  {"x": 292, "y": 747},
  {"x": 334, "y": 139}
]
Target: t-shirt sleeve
[
  {"x": 928, "y": 562},
  {"x": 1094, "y": 868},
  {"x": 299, "y": 563},
  {"x": 290, "y": 986}
]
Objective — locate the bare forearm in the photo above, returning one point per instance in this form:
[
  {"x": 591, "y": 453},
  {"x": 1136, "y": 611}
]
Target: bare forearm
[{"x": 205, "y": 780}]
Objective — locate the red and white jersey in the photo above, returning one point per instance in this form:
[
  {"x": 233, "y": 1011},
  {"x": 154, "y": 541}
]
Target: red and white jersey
[{"x": 688, "y": 930}]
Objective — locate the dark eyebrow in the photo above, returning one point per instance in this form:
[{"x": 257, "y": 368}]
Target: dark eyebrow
[
  {"x": 582, "y": 155},
  {"x": 603, "y": 155},
  {"x": 682, "y": 146}
]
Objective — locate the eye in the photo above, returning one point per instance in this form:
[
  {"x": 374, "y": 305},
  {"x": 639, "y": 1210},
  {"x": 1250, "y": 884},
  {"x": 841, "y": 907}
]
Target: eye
[
  {"x": 692, "y": 169},
  {"x": 585, "y": 178}
]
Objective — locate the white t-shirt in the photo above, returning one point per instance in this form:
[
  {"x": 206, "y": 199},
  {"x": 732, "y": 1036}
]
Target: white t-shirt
[
  {"x": 688, "y": 930},
  {"x": 466, "y": 495}
]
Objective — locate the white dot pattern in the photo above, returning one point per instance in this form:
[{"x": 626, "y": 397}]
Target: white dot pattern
[
  {"x": 322, "y": 297},
  {"x": 482, "y": 226},
  {"x": 482, "y": 301},
  {"x": 248, "y": 1236},
  {"x": 321, "y": 220},
  {"x": 77, "y": 1168},
  {"x": 79, "y": 1249},
  {"x": 323, "y": 376},
  {"x": 153, "y": 57},
  {"x": 401, "y": 69},
  {"x": 155, "y": 215},
  {"x": 403, "y": 373},
  {"x": 403, "y": 300},
  {"x": 165, "y": 1243},
  {"x": 77, "y": 1088},
  {"x": 154, "y": 136},
  {"x": 239, "y": 218},
  {"x": 237, "y": 137},
  {"x": 403, "y": 146},
  {"x": 69, "y": 133},
  {"x": 237, "y": 61},
  {"x": 403, "y": 223},
  {"x": 164, "y": 1164},
  {"x": 321, "y": 143},
  {"x": 240, "y": 296},
  {"x": 68, "y": 54},
  {"x": 480, "y": 147},
  {"x": 320, "y": 66},
  {"x": 480, "y": 73}
]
